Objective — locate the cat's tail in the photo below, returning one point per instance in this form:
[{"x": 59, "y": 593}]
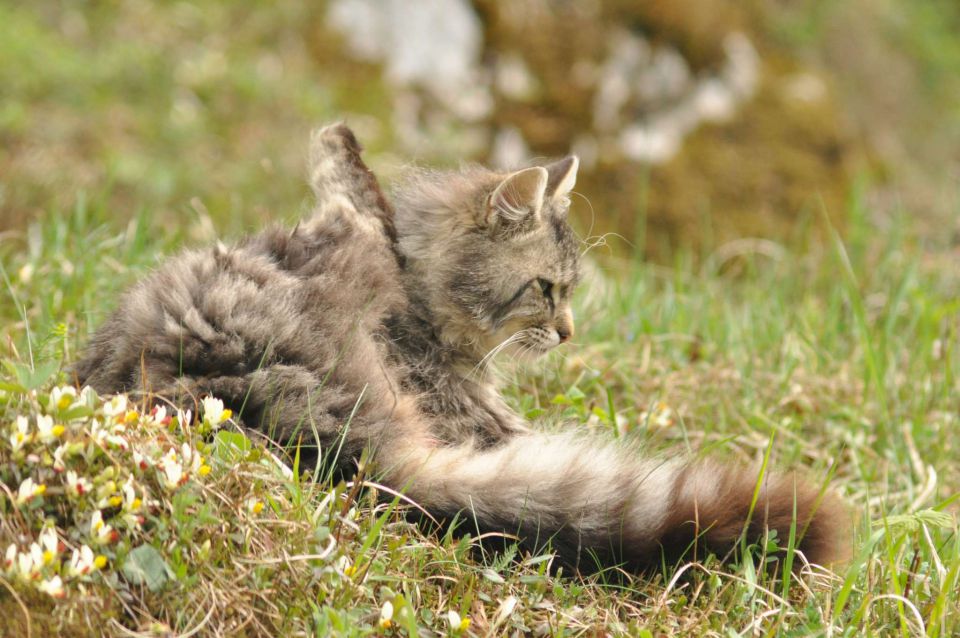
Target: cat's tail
[
  {"x": 343, "y": 184},
  {"x": 601, "y": 503}
]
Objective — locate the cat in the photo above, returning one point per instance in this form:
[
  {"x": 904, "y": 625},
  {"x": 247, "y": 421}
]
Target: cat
[{"x": 369, "y": 326}]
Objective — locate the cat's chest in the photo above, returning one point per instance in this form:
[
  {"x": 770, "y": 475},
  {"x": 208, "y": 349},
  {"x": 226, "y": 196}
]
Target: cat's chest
[{"x": 463, "y": 410}]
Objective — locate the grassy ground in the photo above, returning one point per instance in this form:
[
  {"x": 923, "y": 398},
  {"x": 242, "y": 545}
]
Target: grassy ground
[
  {"x": 129, "y": 130},
  {"x": 839, "y": 359}
]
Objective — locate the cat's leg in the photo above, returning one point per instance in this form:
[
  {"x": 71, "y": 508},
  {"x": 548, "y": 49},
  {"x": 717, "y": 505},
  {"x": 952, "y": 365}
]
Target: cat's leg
[{"x": 289, "y": 405}]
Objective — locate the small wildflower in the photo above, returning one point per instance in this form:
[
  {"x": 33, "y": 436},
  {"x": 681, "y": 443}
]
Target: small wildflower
[
  {"x": 28, "y": 490},
  {"x": 192, "y": 459},
  {"x": 20, "y": 435},
  {"x": 77, "y": 485},
  {"x": 254, "y": 506},
  {"x": 386, "y": 615},
  {"x": 88, "y": 395},
  {"x": 213, "y": 412},
  {"x": 100, "y": 531},
  {"x": 456, "y": 622},
  {"x": 10, "y": 557},
  {"x": 63, "y": 398},
  {"x": 140, "y": 460},
  {"x": 158, "y": 416},
  {"x": 171, "y": 470},
  {"x": 204, "y": 470},
  {"x": 50, "y": 545},
  {"x": 116, "y": 407},
  {"x": 30, "y": 562},
  {"x": 46, "y": 430},
  {"x": 58, "y": 454},
  {"x": 83, "y": 562},
  {"x": 131, "y": 417},
  {"x": 659, "y": 416},
  {"x": 53, "y": 586},
  {"x": 184, "y": 418}
]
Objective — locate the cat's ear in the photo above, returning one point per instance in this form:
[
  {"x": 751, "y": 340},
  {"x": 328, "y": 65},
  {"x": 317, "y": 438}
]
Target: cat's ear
[
  {"x": 518, "y": 198},
  {"x": 562, "y": 177}
]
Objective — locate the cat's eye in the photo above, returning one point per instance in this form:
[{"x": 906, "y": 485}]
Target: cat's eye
[{"x": 546, "y": 287}]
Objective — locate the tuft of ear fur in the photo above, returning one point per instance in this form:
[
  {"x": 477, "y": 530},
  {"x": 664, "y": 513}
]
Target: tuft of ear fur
[
  {"x": 562, "y": 176},
  {"x": 517, "y": 200}
]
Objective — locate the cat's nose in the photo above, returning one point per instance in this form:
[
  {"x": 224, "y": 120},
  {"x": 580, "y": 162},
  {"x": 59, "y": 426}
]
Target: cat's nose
[{"x": 565, "y": 325}]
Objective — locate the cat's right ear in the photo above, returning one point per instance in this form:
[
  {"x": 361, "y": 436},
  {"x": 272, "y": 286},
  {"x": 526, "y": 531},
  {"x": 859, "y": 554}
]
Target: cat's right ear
[{"x": 516, "y": 202}]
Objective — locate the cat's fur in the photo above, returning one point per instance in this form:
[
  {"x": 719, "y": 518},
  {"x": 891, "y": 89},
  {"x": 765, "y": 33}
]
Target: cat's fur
[{"x": 368, "y": 328}]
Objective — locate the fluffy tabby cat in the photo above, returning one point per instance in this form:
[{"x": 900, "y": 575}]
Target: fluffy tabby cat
[{"x": 364, "y": 327}]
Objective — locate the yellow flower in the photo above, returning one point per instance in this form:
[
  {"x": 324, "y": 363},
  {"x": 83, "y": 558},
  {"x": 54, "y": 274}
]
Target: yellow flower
[
  {"x": 131, "y": 417},
  {"x": 204, "y": 470},
  {"x": 254, "y": 506}
]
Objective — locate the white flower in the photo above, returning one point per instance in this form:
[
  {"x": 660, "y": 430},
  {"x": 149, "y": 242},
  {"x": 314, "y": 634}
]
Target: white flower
[
  {"x": 63, "y": 398},
  {"x": 10, "y": 557},
  {"x": 116, "y": 407},
  {"x": 29, "y": 489},
  {"x": 192, "y": 459},
  {"x": 58, "y": 464},
  {"x": 83, "y": 562},
  {"x": 184, "y": 418},
  {"x": 54, "y": 587},
  {"x": 213, "y": 412},
  {"x": 140, "y": 460},
  {"x": 78, "y": 485},
  {"x": 158, "y": 416},
  {"x": 456, "y": 623},
  {"x": 117, "y": 441},
  {"x": 98, "y": 432},
  {"x": 100, "y": 532},
  {"x": 88, "y": 395},
  {"x": 172, "y": 470},
  {"x": 50, "y": 544},
  {"x": 386, "y": 615},
  {"x": 20, "y": 434},
  {"x": 46, "y": 430},
  {"x": 30, "y": 562}
]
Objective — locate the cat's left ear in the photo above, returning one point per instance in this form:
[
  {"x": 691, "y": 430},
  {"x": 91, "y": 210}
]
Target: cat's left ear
[
  {"x": 517, "y": 200},
  {"x": 561, "y": 177}
]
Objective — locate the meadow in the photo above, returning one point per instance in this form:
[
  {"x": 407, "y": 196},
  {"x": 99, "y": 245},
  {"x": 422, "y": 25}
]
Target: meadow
[
  {"x": 834, "y": 354},
  {"x": 840, "y": 359}
]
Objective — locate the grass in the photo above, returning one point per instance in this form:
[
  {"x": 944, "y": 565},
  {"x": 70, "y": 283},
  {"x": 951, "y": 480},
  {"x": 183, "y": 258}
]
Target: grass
[
  {"x": 837, "y": 359},
  {"x": 130, "y": 130}
]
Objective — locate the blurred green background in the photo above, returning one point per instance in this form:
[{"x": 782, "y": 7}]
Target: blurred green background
[{"x": 699, "y": 121}]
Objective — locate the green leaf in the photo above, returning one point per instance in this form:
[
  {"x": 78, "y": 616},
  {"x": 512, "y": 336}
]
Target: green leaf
[
  {"x": 231, "y": 447},
  {"x": 33, "y": 378},
  {"x": 145, "y": 566}
]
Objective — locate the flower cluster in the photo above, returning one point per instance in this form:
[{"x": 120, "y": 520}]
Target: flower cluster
[{"x": 70, "y": 455}]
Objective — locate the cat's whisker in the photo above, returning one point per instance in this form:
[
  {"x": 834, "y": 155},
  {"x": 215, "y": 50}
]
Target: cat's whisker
[{"x": 488, "y": 358}]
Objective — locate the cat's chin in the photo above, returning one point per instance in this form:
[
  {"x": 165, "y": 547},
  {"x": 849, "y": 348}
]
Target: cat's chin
[{"x": 533, "y": 351}]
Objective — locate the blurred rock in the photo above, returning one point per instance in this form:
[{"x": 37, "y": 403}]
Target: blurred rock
[{"x": 680, "y": 119}]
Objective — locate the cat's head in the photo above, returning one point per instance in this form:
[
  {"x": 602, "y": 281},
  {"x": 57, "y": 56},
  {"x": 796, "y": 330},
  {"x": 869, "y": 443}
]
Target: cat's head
[{"x": 491, "y": 255}]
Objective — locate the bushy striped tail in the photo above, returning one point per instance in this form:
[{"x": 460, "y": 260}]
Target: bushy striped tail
[
  {"x": 342, "y": 182},
  {"x": 601, "y": 504}
]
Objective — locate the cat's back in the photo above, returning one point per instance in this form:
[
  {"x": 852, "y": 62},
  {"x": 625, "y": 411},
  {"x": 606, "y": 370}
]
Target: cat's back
[{"x": 282, "y": 295}]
